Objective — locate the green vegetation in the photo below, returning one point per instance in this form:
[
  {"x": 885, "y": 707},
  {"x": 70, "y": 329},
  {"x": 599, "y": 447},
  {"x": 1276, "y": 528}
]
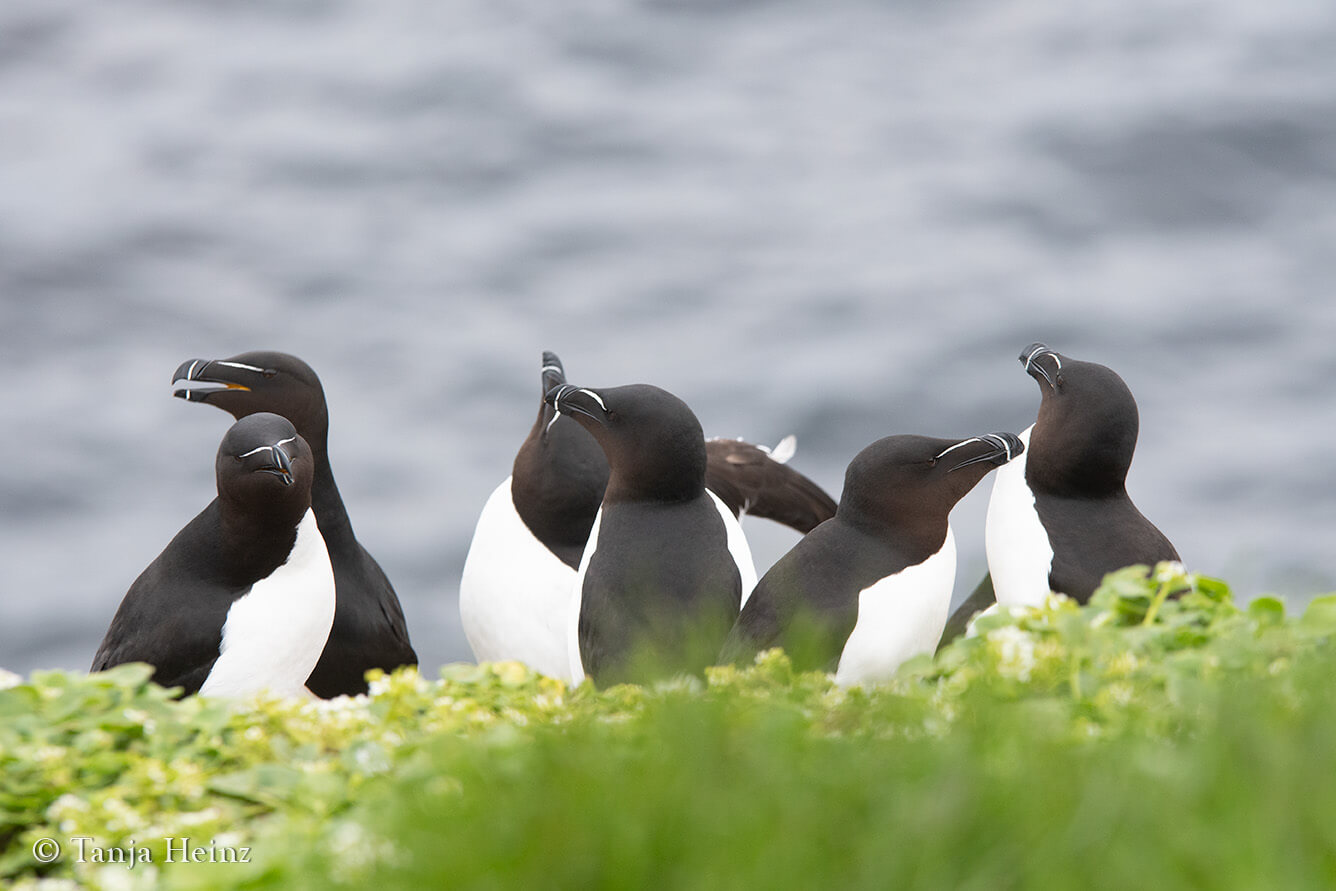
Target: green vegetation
[{"x": 1159, "y": 737}]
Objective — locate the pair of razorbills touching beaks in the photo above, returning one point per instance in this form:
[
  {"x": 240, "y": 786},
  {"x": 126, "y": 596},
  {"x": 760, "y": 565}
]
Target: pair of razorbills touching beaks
[{"x": 610, "y": 552}]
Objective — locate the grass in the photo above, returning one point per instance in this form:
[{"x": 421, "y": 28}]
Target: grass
[{"x": 1142, "y": 740}]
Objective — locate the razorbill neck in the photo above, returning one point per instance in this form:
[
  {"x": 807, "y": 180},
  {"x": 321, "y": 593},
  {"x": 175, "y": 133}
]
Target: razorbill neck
[
  {"x": 1060, "y": 518},
  {"x": 369, "y": 629},
  {"x": 519, "y": 576},
  {"x": 666, "y": 568},
  {"x": 871, "y": 587},
  {"x": 242, "y": 599}
]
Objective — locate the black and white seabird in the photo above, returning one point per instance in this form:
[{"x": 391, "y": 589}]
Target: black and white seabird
[
  {"x": 369, "y": 629},
  {"x": 519, "y": 576},
  {"x": 871, "y": 587},
  {"x": 667, "y": 567},
  {"x": 242, "y": 599},
  {"x": 1060, "y": 518}
]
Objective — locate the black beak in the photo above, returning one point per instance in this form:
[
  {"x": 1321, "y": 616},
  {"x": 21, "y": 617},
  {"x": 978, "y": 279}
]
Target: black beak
[
  {"x": 573, "y": 400},
  {"x": 1030, "y": 357},
  {"x": 277, "y": 462},
  {"x": 209, "y": 372},
  {"x": 1002, "y": 448},
  {"x": 554, "y": 375}
]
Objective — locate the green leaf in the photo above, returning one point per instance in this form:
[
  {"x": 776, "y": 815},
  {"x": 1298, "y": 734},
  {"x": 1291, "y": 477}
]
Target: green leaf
[
  {"x": 1267, "y": 611},
  {"x": 1321, "y": 613}
]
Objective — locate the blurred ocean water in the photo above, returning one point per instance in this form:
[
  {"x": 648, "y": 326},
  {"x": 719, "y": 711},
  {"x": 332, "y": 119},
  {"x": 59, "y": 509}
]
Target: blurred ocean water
[{"x": 840, "y": 220}]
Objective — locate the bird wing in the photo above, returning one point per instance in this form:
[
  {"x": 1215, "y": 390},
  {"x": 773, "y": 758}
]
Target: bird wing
[{"x": 752, "y": 480}]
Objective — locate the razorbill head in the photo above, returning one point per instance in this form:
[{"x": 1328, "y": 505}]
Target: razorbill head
[
  {"x": 666, "y": 567},
  {"x": 1061, "y": 519},
  {"x": 261, "y": 380},
  {"x": 369, "y": 628},
  {"x": 242, "y": 599},
  {"x": 559, "y": 475},
  {"x": 871, "y": 587}
]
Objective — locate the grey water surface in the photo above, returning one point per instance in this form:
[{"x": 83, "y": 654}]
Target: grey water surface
[{"x": 839, "y": 219}]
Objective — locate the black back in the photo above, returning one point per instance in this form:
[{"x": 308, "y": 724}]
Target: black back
[
  {"x": 369, "y": 628},
  {"x": 661, "y": 589},
  {"x": 1080, "y": 451},
  {"x": 172, "y": 617},
  {"x": 558, "y": 477},
  {"x": 898, "y": 495}
]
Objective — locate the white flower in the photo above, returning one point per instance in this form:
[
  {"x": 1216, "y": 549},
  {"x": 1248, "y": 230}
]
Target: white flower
[
  {"x": 370, "y": 758},
  {"x": 355, "y": 849},
  {"x": 140, "y": 717},
  {"x": 9, "y": 679},
  {"x": 1123, "y": 665},
  {"x": 47, "y": 885},
  {"x": 1055, "y": 599},
  {"x": 118, "y": 878},
  {"x": 197, "y": 818},
  {"x": 229, "y": 839},
  {"x": 1168, "y": 571},
  {"x": 121, "y": 816},
  {"x": 66, "y": 805},
  {"x": 1014, "y": 650},
  {"x": 49, "y": 754}
]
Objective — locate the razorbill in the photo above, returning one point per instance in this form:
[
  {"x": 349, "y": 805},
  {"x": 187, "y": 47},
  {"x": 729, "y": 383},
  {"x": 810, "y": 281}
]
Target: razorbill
[
  {"x": 666, "y": 568},
  {"x": 369, "y": 629},
  {"x": 1060, "y": 518},
  {"x": 242, "y": 599},
  {"x": 871, "y": 587},
  {"x": 519, "y": 575}
]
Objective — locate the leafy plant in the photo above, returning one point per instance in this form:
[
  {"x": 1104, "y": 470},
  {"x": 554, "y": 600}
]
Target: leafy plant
[{"x": 1159, "y": 735}]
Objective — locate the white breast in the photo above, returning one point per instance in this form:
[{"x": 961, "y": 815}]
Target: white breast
[
  {"x": 737, "y": 546},
  {"x": 275, "y": 633},
  {"x": 514, "y": 596},
  {"x": 1019, "y": 554},
  {"x": 899, "y": 616}
]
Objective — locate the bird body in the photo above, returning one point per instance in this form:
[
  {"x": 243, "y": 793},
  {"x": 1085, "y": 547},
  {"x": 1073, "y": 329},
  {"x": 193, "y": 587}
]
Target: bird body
[
  {"x": 658, "y": 585},
  {"x": 242, "y": 598},
  {"x": 1062, "y": 519},
  {"x": 871, "y": 587}
]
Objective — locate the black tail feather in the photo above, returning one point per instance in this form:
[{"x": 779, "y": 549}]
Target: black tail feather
[{"x": 749, "y": 481}]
